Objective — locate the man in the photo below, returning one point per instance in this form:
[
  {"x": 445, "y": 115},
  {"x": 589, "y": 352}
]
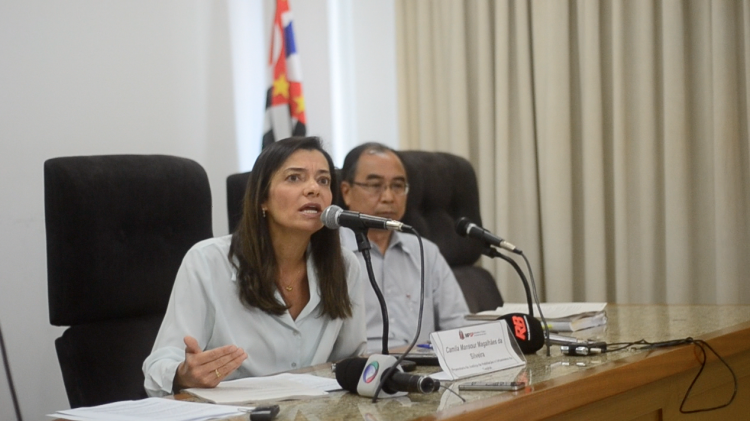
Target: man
[{"x": 374, "y": 182}]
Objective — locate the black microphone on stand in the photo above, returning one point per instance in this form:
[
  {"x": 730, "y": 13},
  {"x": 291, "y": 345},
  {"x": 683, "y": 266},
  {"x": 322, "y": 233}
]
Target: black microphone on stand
[
  {"x": 465, "y": 227},
  {"x": 333, "y": 217}
]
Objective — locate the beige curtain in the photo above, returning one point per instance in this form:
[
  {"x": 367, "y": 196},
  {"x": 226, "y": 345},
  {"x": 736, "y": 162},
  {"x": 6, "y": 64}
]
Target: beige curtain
[{"x": 610, "y": 138}]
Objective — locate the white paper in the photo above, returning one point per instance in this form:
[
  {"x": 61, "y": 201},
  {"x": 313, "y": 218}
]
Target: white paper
[
  {"x": 258, "y": 389},
  {"x": 550, "y": 310},
  {"x": 442, "y": 376},
  {"x": 476, "y": 349},
  {"x": 150, "y": 409},
  {"x": 325, "y": 384}
]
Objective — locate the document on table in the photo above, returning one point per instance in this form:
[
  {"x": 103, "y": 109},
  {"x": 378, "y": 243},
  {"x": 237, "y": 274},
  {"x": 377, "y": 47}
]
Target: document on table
[
  {"x": 551, "y": 310},
  {"x": 150, "y": 409},
  {"x": 561, "y": 317},
  {"x": 283, "y": 386}
]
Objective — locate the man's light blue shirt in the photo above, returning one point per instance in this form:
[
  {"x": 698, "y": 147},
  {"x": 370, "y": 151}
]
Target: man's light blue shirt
[{"x": 397, "y": 273}]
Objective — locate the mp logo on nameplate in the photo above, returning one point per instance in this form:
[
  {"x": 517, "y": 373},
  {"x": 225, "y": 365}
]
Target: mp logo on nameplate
[{"x": 476, "y": 349}]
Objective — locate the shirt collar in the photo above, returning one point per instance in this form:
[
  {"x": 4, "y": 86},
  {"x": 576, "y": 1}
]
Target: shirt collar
[
  {"x": 312, "y": 279},
  {"x": 349, "y": 241}
]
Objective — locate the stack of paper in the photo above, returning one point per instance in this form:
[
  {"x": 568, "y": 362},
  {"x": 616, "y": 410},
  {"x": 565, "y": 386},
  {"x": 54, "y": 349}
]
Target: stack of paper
[
  {"x": 561, "y": 317},
  {"x": 280, "y": 387},
  {"x": 150, "y": 409}
]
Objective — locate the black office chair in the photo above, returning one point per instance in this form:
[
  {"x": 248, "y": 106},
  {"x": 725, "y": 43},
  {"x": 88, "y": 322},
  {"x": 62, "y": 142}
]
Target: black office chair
[
  {"x": 118, "y": 227},
  {"x": 236, "y": 185},
  {"x": 442, "y": 189}
]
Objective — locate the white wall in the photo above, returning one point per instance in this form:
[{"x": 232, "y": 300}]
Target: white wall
[
  {"x": 374, "y": 57},
  {"x": 84, "y": 77}
]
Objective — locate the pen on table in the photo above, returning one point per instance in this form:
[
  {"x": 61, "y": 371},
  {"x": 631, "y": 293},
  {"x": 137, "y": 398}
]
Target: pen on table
[{"x": 425, "y": 346}]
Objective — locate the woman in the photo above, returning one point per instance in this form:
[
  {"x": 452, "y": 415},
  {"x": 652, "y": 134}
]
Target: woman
[{"x": 278, "y": 294}]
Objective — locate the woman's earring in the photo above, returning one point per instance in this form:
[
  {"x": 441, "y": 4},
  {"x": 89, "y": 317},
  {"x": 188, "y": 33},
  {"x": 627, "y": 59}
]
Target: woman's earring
[{"x": 264, "y": 212}]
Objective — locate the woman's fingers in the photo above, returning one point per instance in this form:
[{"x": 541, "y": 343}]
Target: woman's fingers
[
  {"x": 191, "y": 345},
  {"x": 207, "y": 368},
  {"x": 231, "y": 362}
]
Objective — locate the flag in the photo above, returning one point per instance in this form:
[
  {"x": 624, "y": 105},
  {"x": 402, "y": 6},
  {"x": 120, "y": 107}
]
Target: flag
[{"x": 285, "y": 104}]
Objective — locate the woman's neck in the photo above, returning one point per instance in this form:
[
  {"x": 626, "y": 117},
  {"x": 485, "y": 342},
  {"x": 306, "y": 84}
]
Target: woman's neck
[
  {"x": 289, "y": 249},
  {"x": 290, "y": 253},
  {"x": 291, "y": 279}
]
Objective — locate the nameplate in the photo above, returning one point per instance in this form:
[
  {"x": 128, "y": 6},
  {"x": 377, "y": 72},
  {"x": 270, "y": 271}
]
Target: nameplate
[{"x": 476, "y": 349}]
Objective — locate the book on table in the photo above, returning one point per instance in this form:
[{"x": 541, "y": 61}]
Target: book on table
[{"x": 561, "y": 317}]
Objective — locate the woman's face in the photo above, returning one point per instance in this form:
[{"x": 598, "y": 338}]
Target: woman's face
[{"x": 300, "y": 190}]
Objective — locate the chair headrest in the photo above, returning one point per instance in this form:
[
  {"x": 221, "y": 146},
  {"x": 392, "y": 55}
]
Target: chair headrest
[
  {"x": 442, "y": 189},
  {"x": 118, "y": 227}
]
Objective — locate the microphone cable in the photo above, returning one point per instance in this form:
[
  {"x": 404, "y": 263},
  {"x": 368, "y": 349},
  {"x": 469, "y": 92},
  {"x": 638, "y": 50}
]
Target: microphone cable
[
  {"x": 389, "y": 373},
  {"x": 700, "y": 345},
  {"x": 12, "y": 388},
  {"x": 454, "y": 392}
]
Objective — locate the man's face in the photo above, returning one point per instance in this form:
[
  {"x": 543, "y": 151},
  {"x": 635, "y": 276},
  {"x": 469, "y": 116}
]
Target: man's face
[{"x": 379, "y": 186}]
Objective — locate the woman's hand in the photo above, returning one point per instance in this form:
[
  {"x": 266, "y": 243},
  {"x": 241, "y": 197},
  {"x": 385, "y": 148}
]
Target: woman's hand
[{"x": 206, "y": 368}]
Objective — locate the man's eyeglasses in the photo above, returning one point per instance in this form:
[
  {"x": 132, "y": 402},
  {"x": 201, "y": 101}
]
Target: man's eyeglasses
[{"x": 398, "y": 188}]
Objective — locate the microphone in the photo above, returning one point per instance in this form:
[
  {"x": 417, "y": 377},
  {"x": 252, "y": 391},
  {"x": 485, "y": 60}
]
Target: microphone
[
  {"x": 465, "y": 227},
  {"x": 526, "y": 330},
  {"x": 362, "y": 376},
  {"x": 335, "y": 217}
]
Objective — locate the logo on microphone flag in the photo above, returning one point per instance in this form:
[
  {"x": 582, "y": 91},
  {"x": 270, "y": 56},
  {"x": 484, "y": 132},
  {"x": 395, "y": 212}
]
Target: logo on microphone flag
[
  {"x": 285, "y": 104},
  {"x": 370, "y": 372},
  {"x": 519, "y": 327}
]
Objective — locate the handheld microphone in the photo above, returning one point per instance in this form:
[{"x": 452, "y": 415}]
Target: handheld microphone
[
  {"x": 526, "y": 330},
  {"x": 465, "y": 227},
  {"x": 362, "y": 376},
  {"x": 335, "y": 217}
]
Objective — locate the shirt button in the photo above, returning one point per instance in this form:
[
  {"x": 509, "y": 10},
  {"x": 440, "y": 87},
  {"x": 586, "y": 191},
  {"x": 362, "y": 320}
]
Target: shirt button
[{"x": 294, "y": 365}]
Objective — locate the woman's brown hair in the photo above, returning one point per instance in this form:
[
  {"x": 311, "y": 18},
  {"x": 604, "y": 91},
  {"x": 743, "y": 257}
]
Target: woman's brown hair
[{"x": 252, "y": 254}]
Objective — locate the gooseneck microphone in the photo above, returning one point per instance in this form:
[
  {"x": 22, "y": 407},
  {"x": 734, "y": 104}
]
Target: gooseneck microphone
[
  {"x": 334, "y": 217},
  {"x": 379, "y": 366},
  {"x": 363, "y": 375},
  {"x": 464, "y": 226},
  {"x": 467, "y": 228}
]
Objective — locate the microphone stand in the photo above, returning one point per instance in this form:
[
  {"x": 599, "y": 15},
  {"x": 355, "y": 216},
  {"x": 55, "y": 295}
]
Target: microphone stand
[
  {"x": 389, "y": 373},
  {"x": 6, "y": 364},
  {"x": 492, "y": 252},
  {"x": 363, "y": 245}
]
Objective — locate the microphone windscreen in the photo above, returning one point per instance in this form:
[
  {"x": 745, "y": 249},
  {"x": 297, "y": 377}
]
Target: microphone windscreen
[
  {"x": 461, "y": 226},
  {"x": 527, "y": 330},
  {"x": 348, "y": 372},
  {"x": 330, "y": 217}
]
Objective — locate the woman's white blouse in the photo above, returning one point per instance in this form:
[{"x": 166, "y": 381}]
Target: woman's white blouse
[{"x": 205, "y": 304}]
